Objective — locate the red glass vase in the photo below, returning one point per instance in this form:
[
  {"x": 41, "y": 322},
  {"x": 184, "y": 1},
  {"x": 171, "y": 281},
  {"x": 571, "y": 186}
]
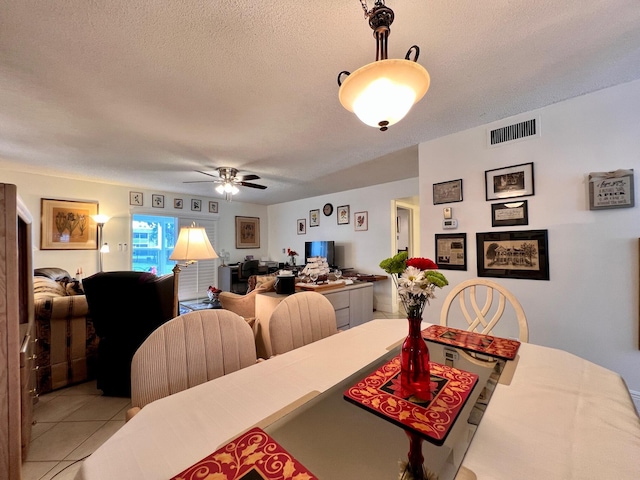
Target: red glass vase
[{"x": 415, "y": 375}]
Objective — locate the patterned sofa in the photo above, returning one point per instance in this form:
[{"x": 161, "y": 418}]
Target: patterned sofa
[{"x": 66, "y": 343}]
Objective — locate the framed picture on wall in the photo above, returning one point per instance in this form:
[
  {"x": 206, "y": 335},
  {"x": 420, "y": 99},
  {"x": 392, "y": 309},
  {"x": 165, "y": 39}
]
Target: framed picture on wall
[
  {"x": 135, "y": 198},
  {"x": 343, "y": 215},
  {"x": 67, "y": 225},
  {"x": 447, "y": 192},
  {"x": 516, "y": 254},
  {"x": 509, "y": 214},
  {"x": 247, "y": 232},
  {"x": 451, "y": 251},
  {"x": 196, "y": 205},
  {"x": 177, "y": 203},
  {"x": 361, "y": 221},
  {"x": 213, "y": 207},
  {"x": 314, "y": 218},
  {"x": 157, "y": 201},
  {"x": 509, "y": 182},
  {"x": 611, "y": 190},
  {"x": 301, "y": 229}
]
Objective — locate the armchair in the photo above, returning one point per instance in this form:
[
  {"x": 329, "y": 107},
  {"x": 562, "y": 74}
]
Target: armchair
[
  {"x": 245, "y": 305},
  {"x": 125, "y": 307}
]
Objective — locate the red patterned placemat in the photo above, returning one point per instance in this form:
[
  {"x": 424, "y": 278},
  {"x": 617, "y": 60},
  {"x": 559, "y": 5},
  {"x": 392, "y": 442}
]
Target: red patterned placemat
[
  {"x": 476, "y": 342},
  {"x": 254, "y": 455},
  {"x": 382, "y": 394}
]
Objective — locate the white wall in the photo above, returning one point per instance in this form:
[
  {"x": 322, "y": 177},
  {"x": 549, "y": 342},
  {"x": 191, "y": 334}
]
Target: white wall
[
  {"x": 590, "y": 305},
  {"x": 114, "y": 202},
  {"x": 362, "y": 250}
]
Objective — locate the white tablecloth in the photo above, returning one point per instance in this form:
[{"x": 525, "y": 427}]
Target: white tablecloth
[{"x": 561, "y": 417}]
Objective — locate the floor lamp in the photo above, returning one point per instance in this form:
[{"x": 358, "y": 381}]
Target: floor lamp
[
  {"x": 192, "y": 245},
  {"x": 104, "y": 248}
]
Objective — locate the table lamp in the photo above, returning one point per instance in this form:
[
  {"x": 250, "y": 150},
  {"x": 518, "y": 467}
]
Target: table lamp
[{"x": 192, "y": 245}]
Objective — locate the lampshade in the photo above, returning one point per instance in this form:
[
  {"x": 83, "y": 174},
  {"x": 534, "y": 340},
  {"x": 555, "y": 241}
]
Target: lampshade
[
  {"x": 383, "y": 92},
  {"x": 100, "y": 219},
  {"x": 193, "y": 244},
  {"x": 104, "y": 248}
]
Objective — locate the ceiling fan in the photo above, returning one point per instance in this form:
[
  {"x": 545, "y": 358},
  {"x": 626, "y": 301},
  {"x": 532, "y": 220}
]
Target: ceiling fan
[{"x": 229, "y": 181}]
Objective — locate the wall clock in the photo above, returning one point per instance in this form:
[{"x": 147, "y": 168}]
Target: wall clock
[{"x": 327, "y": 209}]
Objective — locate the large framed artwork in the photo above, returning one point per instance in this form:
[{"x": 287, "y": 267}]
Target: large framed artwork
[
  {"x": 516, "y": 254},
  {"x": 67, "y": 225},
  {"x": 509, "y": 182},
  {"x": 509, "y": 214},
  {"x": 247, "y": 232},
  {"x": 451, "y": 251}
]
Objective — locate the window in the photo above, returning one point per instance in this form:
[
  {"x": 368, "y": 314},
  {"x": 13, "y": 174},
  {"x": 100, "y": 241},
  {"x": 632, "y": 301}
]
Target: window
[{"x": 153, "y": 239}]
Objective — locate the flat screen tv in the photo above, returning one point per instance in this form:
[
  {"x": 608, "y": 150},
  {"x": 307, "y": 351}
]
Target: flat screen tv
[{"x": 321, "y": 248}]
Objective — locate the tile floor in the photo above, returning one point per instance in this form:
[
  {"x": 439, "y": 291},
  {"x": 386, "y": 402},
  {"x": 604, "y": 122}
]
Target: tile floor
[
  {"x": 69, "y": 425},
  {"x": 73, "y": 422}
]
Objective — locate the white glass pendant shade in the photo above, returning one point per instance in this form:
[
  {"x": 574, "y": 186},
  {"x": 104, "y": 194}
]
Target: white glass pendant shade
[
  {"x": 384, "y": 91},
  {"x": 220, "y": 189},
  {"x": 234, "y": 190}
]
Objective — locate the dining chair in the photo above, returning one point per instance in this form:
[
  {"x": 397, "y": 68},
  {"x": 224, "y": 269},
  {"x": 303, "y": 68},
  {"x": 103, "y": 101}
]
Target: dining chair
[
  {"x": 300, "y": 319},
  {"x": 191, "y": 349},
  {"x": 483, "y": 319}
]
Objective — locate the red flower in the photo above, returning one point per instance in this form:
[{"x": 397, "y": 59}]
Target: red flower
[{"x": 422, "y": 264}]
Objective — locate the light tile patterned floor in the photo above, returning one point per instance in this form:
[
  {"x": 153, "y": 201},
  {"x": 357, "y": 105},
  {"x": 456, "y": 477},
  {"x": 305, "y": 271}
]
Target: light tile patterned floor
[{"x": 70, "y": 424}]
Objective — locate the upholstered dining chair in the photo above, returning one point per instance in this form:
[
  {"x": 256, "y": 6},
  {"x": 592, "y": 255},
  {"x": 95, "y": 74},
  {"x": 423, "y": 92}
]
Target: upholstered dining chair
[
  {"x": 191, "y": 349},
  {"x": 482, "y": 303},
  {"x": 300, "y": 319}
]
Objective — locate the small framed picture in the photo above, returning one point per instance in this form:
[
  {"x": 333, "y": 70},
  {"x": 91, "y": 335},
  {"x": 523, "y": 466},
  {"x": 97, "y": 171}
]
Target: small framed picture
[
  {"x": 196, "y": 205},
  {"x": 178, "y": 203},
  {"x": 314, "y": 218},
  {"x": 361, "y": 221},
  {"x": 301, "y": 229},
  {"x": 343, "y": 215},
  {"x": 213, "y": 207},
  {"x": 447, "y": 192},
  {"x": 451, "y": 251},
  {"x": 157, "y": 201},
  {"x": 135, "y": 198},
  {"x": 509, "y": 182},
  {"x": 611, "y": 190},
  {"x": 509, "y": 214}
]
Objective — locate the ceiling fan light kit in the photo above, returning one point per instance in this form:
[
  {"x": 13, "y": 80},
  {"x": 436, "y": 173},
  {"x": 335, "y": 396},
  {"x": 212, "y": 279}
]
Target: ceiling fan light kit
[
  {"x": 382, "y": 93},
  {"x": 229, "y": 180}
]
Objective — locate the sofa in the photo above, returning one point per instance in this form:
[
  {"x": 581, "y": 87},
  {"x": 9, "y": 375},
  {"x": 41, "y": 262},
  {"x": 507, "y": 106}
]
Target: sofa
[{"x": 66, "y": 343}]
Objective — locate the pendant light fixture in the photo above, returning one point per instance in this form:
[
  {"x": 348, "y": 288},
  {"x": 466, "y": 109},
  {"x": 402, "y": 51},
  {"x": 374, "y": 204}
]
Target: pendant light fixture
[{"x": 382, "y": 93}]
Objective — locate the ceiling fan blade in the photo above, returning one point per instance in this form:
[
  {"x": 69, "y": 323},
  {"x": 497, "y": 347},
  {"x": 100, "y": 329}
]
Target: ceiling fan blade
[
  {"x": 252, "y": 185},
  {"x": 244, "y": 178},
  {"x": 208, "y": 174},
  {"x": 202, "y": 181}
]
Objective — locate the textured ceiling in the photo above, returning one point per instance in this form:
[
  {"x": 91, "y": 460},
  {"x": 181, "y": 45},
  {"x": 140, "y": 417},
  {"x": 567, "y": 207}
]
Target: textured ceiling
[{"x": 145, "y": 92}]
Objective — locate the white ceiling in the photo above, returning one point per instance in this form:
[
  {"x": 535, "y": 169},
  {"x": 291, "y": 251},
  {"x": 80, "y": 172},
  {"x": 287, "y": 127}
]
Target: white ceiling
[{"x": 145, "y": 92}]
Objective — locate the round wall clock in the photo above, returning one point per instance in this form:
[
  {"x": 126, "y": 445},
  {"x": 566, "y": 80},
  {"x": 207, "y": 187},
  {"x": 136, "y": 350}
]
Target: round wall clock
[{"x": 327, "y": 209}]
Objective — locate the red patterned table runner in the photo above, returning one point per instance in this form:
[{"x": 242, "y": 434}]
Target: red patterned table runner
[
  {"x": 252, "y": 456},
  {"x": 476, "y": 342},
  {"x": 382, "y": 394}
]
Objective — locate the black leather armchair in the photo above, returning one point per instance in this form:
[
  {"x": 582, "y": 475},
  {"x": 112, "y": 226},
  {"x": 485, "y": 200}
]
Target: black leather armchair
[{"x": 125, "y": 308}]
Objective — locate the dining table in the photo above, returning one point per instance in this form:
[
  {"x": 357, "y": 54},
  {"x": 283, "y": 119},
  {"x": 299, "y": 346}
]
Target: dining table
[{"x": 551, "y": 415}]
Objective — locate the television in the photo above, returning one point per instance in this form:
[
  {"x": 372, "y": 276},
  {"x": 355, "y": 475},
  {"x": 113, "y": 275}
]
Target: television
[{"x": 321, "y": 248}]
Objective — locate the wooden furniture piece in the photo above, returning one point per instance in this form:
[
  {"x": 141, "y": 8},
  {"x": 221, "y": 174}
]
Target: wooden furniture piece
[
  {"x": 559, "y": 417},
  {"x": 16, "y": 332},
  {"x": 300, "y": 319},
  {"x": 189, "y": 350},
  {"x": 353, "y": 305},
  {"x": 483, "y": 317}
]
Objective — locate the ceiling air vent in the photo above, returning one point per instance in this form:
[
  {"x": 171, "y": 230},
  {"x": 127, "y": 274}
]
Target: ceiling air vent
[{"x": 510, "y": 133}]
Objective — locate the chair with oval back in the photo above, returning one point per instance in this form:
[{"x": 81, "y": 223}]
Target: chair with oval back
[{"x": 496, "y": 297}]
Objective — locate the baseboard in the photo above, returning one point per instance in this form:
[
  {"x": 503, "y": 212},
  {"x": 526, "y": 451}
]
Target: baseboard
[{"x": 635, "y": 396}]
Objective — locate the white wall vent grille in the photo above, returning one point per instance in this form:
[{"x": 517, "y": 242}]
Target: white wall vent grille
[{"x": 510, "y": 133}]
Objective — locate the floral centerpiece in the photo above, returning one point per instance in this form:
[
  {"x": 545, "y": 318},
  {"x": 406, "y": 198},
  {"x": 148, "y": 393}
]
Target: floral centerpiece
[
  {"x": 292, "y": 255},
  {"x": 212, "y": 293},
  {"x": 416, "y": 280}
]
